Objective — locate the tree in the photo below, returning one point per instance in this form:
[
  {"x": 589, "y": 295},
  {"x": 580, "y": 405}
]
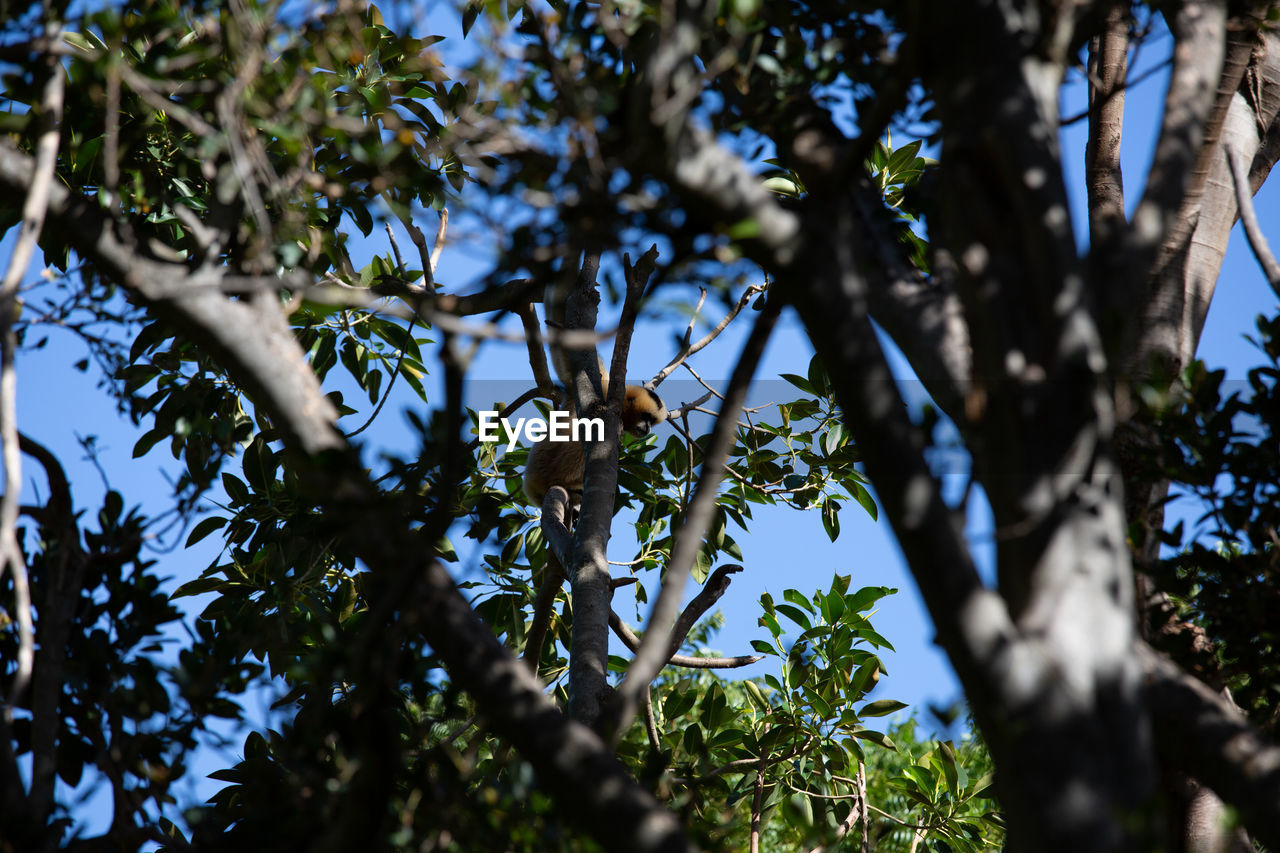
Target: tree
[{"x": 193, "y": 191}]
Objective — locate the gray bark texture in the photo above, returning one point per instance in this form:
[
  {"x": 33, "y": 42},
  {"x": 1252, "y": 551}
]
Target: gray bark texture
[{"x": 1023, "y": 342}]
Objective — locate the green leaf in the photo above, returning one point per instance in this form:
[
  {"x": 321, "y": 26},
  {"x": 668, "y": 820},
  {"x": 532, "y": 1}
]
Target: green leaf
[
  {"x": 831, "y": 518},
  {"x": 798, "y": 599},
  {"x": 469, "y": 16},
  {"x": 866, "y": 597},
  {"x": 149, "y": 440},
  {"x": 947, "y": 756},
  {"x": 756, "y": 694},
  {"x": 204, "y": 528},
  {"x": 875, "y": 737},
  {"x": 235, "y": 488},
  {"x": 763, "y": 647},
  {"x": 795, "y": 614},
  {"x": 199, "y": 586},
  {"x": 863, "y": 497},
  {"x": 798, "y": 381},
  {"x": 881, "y": 707},
  {"x": 769, "y": 621},
  {"x": 904, "y": 157}
]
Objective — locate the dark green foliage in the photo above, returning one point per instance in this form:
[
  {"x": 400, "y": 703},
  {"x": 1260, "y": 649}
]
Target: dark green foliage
[{"x": 1221, "y": 444}]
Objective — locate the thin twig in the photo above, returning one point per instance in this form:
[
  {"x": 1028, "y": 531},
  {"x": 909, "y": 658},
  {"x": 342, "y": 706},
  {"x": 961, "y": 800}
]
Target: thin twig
[
  {"x": 862, "y": 806},
  {"x": 653, "y": 653},
  {"x": 702, "y": 381},
  {"x": 438, "y": 246},
  {"x": 680, "y": 410},
  {"x": 845, "y": 825},
  {"x": 543, "y": 604},
  {"x": 757, "y": 805},
  {"x": 34, "y": 208},
  {"x": 629, "y": 639},
  {"x": 404, "y": 348},
  {"x": 693, "y": 318},
  {"x": 684, "y": 431},
  {"x": 537, "y": 353},
  {"x": 1128, "y": 84},
  {"x": 689, "y": 349},
  {"x": 650, "y": 724},
  {"x": 712, "y": 590},
  {"x": 1248, "y": 216}
]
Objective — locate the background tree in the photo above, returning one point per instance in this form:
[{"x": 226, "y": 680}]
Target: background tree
[{"x": 192, "y": 193}]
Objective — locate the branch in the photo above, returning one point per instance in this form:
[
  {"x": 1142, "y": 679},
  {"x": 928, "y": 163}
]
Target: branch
[
  {"x": 588, "y": 566},
  {"x": 855, "y": 810},
  {"x": 691, "y": 349},
  {"x": 712, "y": 590},
  {"x": 629, "y": 639},
  {"x": 973, "y": 624},
  {"x": 1211, "y": 741},
  {"x": 543, "y": 604},
  {"x": 757, "y": 805},
  {"x": 1257, "y": 240},
  {"x": 34, "y": 208},
  {"x": 57, "y": 614},
  {"x": 651, "y": 724},
  {"x": 253, "y": 343},
  {"x": 1200, "y": 32},
  {"x": 862, "y": 807},
  {"x": 537, "y": 354},
  {"x": 1108, "y": 58},
  {"x": 1268, "y": 154},
  {"x": 248, "y": 336},
  {"x": 684, "y": 408},
  {"x": 654, "y": 649},
  {"x": 506, "y": 296},
  {"x": 708, "y": 175},
  {"x": 925, "y": 319}
]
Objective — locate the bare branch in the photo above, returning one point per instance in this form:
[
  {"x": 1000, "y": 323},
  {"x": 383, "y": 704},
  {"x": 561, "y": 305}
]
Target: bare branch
[
  {"x": 690, "y": 349},
  {"x": 862, "y": 807},
  {"x": 537, "y": 354},
  {"x": 1268, "y": 154},
  {"x": 34, "y": 208},
  {"x": 543, "y": 604},
  {"x": 1211, "y": 741},
  {"x": 1108, "y": 58},
  {"x": 555, "y": 529},
  {"x": 629, "y": 639},
  {"x": 845, "y": 825},
  {"x": 757, "y": 805},
  {"x": 654, "y": 650},
  {"x": 1249, "y": 217},
  {"x": 57, "y": 614},
  {"x": 651, "y": 724},
  {"x": 1200, "y": 32},
  {"x": 683, "y": 408},
  {"x": 712, "y": 590},
  {"x": 438, "y": 246},
  {"x": 693, "y": 318}
]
